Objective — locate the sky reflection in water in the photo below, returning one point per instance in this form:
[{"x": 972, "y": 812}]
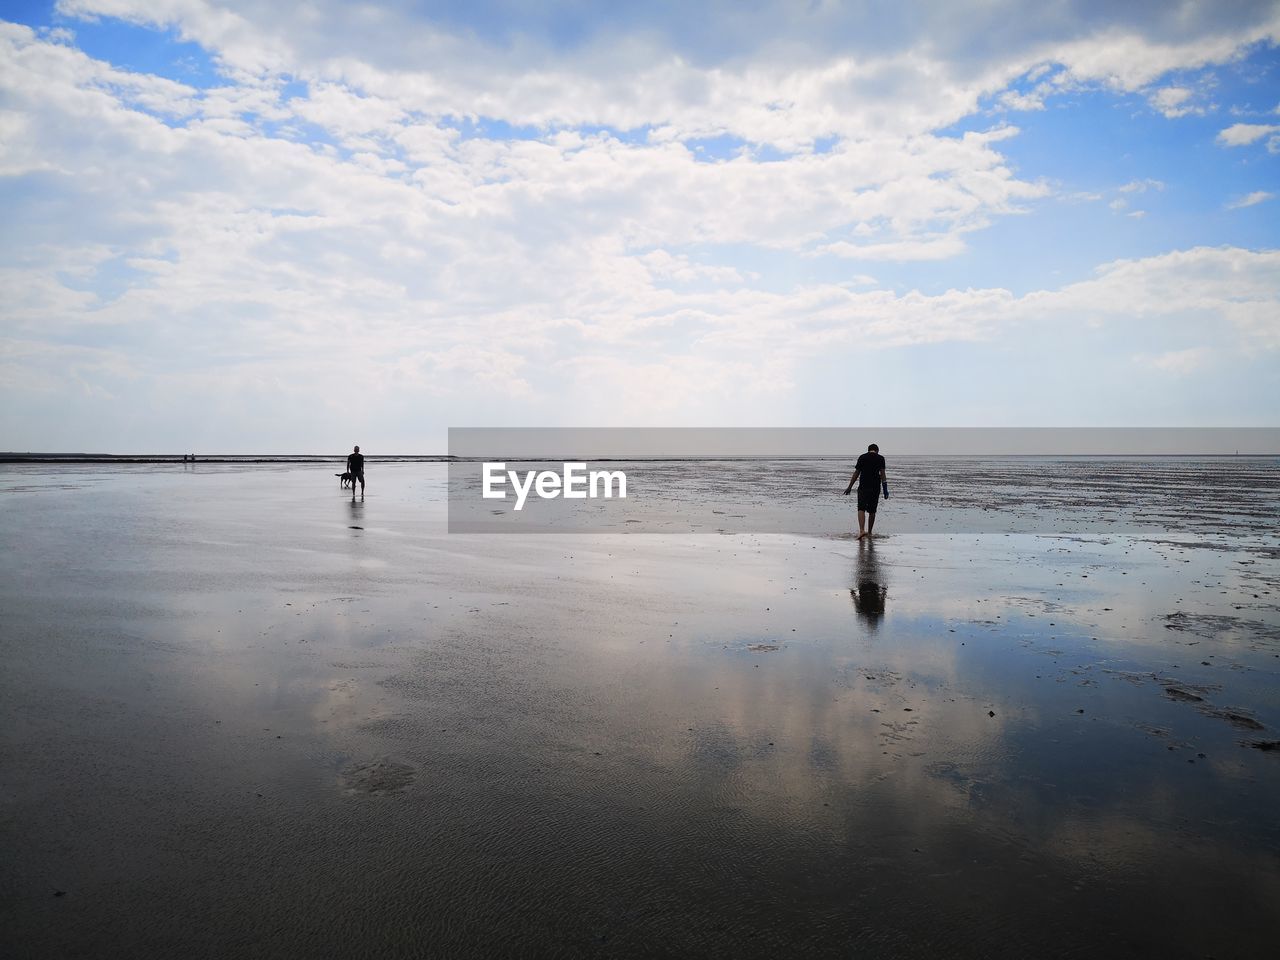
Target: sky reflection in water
[{"x": 986, "y": 745}]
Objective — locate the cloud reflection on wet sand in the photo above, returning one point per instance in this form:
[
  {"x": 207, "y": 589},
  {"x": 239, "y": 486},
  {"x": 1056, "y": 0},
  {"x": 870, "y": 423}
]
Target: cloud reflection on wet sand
[{"x": 698, "y": 745}]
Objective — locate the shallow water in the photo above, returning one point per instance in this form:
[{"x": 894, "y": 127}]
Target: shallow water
[
  {"x": 244, "y": 716},
  {"x": 1236, "y": 497}
]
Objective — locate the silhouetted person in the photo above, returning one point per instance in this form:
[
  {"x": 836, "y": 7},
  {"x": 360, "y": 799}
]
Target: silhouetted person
[
  {"x": 869, "y": 590},
  {"x": 869, "y": 475},
  {"x": 355, "y": 467}
]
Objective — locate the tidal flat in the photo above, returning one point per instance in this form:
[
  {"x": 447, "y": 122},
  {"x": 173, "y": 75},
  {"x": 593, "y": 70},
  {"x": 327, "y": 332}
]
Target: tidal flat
[{"x": 242, "y": 715}]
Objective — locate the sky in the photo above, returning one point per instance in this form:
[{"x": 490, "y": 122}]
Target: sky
[{"x": 249, "y": 227}]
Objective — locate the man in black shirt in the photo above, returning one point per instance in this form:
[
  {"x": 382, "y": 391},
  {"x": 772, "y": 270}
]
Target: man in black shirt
[
  {"x": 355, "y": 467},
  {"x": 869, "y": 475}
]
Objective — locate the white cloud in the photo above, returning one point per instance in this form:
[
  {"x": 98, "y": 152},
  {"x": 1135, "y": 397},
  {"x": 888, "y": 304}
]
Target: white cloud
[
  {"x": 892, "y": 191},
  {"x": 337, "y": 109},
  {"x": 664, "y": 266},
  {"x": 1249, "y": 200},
  {"x": 772, "y": 75},
  {"x": 1243, "y": 134},
  {"x": 1177, "y": 362},
  {"x": 1128, "y": 59},
  {"x": 1034, "y": 100},
  {"x": 1174, "y": 102},
  {"x": 1121, "y": 203},
  {"x": 218, "y": 257},
  {"x": 1234, "y": 291},
  {"x": 1140, "y": 186},
  {"x": 928, "y": 248}
]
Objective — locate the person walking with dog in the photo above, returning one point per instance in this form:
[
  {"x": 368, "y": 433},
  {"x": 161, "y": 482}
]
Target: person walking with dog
[
  {"x": 355, "y": 467},
  {"x": 870, "y": 477}
]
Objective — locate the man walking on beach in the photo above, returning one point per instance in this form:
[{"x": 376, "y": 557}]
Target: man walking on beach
[
  {"x": 869, "y": 475},
  {"x": 355, "y": 467}
]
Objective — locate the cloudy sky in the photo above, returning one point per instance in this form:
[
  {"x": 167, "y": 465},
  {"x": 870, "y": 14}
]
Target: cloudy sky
[{"x": 242, "y": 226}]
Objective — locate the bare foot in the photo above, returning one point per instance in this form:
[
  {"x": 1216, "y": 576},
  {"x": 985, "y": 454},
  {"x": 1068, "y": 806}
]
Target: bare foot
[{"x": 861, "y": 535}]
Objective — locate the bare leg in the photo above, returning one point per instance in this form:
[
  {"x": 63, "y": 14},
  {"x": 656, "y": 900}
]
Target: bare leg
[
  {"x": 871, "y": 523},
  {"x": 862, "y": 524}
]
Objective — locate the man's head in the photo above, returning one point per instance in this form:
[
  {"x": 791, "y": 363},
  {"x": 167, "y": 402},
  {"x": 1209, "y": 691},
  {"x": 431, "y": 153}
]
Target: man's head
[
  {"x": 357, "y": 448},
  {"x": 873, "y": 448}
]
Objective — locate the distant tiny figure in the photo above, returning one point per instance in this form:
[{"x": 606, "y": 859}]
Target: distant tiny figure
[
  {"x": 870, "y": 476},
  {"x": 355, "y": 467}
]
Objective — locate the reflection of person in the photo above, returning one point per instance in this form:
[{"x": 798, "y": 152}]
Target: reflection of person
[
  {"x": 869, "y": 475},
  {"x": 869, "y": 590},
  {"x": 355, "y": 467}
]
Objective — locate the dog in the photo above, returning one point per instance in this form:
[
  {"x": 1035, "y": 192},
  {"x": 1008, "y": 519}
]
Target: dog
[{"x": 347, "y": 480}]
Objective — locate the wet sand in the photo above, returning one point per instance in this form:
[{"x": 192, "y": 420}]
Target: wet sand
[{"x": 241, "y": 716}]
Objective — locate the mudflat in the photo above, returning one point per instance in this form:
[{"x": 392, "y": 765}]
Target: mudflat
[{"x": 241, "y": 715}]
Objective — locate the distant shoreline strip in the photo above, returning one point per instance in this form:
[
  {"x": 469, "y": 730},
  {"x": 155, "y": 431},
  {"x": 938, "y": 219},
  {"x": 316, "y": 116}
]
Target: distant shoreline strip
[
  {"x": 217, "y": 458},
  {"x": 178, "y": 459}
]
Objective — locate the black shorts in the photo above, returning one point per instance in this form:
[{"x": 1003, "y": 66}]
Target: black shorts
[{"x": 868, "y": 499}]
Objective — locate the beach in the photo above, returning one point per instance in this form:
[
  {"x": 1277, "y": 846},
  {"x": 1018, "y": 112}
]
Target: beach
[{"x": 243, "y": 715}]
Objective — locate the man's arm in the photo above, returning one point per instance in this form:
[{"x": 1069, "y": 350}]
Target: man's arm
[{"x": 852, "y": 481}]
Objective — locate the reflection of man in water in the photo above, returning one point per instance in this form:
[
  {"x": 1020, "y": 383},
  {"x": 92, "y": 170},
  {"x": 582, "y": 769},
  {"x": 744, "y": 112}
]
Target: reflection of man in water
[
  {"x": 869, "y": 475},
  {"x": 869, "y": 590},
  {"x": 355, "y": 467}
]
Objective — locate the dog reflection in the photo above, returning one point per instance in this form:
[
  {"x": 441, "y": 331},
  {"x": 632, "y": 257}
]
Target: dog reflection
[{"x": 870, "y": 589}]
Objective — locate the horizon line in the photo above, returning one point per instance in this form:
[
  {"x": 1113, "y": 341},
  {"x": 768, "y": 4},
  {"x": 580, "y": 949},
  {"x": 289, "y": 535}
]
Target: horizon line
[{"x": 37, "y": 457}]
